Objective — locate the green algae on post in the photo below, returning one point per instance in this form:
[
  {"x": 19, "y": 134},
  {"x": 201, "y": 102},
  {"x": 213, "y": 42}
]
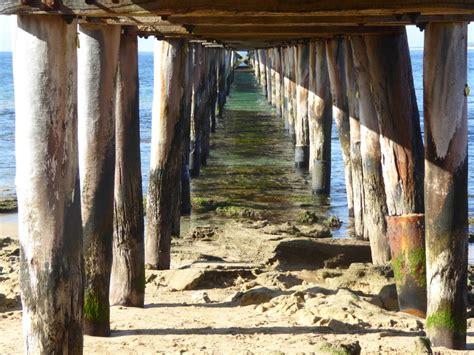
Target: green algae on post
[{"x": 8, "y": 206}]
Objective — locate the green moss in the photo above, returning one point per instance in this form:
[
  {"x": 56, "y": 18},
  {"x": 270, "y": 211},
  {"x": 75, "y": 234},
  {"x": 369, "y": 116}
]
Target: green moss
[
  {"x": 301, "y": 199},
  {"x": 8, "y": 206},
  {"x": 94, "y": 310},
  {"x": 203, "y": 204},
  {"x": 333, "y": 222},
  {"x": 413, "y": 264},
  {"x": 308, "y": 217},
  {"x": 398, "y": 265},
  {"x": 445, "y": 319},
  {"x": 239, "y": 212}
]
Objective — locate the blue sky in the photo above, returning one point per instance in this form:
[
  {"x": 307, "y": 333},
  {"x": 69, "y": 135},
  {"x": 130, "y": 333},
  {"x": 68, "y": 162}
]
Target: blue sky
[{"x": 415, "y": 37}]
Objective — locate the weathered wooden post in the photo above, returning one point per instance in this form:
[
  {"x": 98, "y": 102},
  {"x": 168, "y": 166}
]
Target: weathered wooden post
[
  {"x": 49, "y": 213},
  {"x": 268, "y": 69},
  {"x": 285, "y": 87},
  {"x": 393, "y": 92},
  {"x": 165, "y": 160},
  {"x": 262, "y": 66},
  {"x": 335, "y": 53},
  {"x": 445, "y": 109},
  {"x": 127, "y": 280},
  {"x": 375, "y": 206},
  {"x": 292, "y": 60},
  {"x": 354, "y": 126},
  {"x": 204, "y": 109},
  {"x": 301, "y": 121},
  {"x": 187, "y": 103},
  {"x": 278, "y": 80},
  {"x": 222, "y": 94},
  {"x": 214, "y": 89},
  {"x": 256, "y": 65},
  {"x": 196, "y": 126},
  {"x": 97, "y": 59},
  {"x": 319, "y": 118}
]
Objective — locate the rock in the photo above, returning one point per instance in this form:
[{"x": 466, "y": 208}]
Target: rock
[
  {"x": 279, "y": 280},
  {"x": 205, "y": 278},
  {"x": 200, "y": 297},
  {"x": 256, "y": 295},
  {"x": 365, "y": 278},
  {"x": 182, "y": 280},
  {"x": 8, "y": 206},
  {"x": 388, "y": 296},
  {"x": 315, "y": 231},
  {"x": 205, "y": 232},
  {"x": 240, "y": 212},
  {"x": 308, "y": 217},
  {"x": 333, "y": 222},
  {"x": 283, "y": 228},
  {"x": 422, "y": 345},
  {"x": 340, "y": 348},
  {"x": 206, "y": 257},
  {"x": 294, "y": 254}
]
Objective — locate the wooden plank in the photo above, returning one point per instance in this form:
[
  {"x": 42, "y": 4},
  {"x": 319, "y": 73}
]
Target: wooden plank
[{"x": 106, "y": 8}]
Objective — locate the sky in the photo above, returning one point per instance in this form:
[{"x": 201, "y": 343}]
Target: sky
[{"x": 415, "y": 36}]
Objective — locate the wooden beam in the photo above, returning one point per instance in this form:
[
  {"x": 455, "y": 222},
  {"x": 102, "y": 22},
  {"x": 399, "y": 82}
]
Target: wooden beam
[
  {"x": 107, "y": 8},
  {"x": 311, "y": 20}
]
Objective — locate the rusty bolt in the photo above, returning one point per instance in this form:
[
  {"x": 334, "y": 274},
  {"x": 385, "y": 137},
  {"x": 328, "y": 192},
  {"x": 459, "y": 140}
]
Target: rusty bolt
[{"x": 50, "y": 4}]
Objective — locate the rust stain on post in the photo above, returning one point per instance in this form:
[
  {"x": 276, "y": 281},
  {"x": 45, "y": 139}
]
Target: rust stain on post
[{"x": 406, "y": 236}]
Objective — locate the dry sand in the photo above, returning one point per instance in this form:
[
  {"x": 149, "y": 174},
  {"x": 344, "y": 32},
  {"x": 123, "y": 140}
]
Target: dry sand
[{"x": 233, "y": 290}]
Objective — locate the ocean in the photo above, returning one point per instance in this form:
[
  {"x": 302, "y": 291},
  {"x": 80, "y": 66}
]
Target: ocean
[{"x": 337, "y": 202}]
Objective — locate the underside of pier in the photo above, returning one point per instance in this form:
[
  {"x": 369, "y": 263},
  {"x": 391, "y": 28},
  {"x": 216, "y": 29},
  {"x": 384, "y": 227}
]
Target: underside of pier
[{"x": 315, "y": 61}]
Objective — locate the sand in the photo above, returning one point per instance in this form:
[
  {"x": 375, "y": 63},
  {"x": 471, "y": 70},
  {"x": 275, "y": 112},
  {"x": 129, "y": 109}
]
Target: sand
[{"x": 231, "y": 291}]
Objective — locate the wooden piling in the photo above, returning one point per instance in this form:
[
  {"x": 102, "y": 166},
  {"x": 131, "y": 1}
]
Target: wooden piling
[
  {"x": 196, "y": 131},
  {"x": 335, "y": 54},
  {"x": 319, "y": 118},
  {"x": 354, "y": 126},
  {"x": 286, "y": 87},
  {"x": 222, "y": 81},
  {"x": 301, "y": 121},
  {"x": 205, "y": 109},
  {"x": 49, "y": 210},
  {"x": 165, "y": 160},
  {"x": 393, "y": 92},
  {"x": 292, "y": 60},
  {"x": 127, "y": 280},
  {"x": 262, "y": 65},
  {"x": 375, "y": 206},
  {"x": 445, "y": 114},
  {"x": 268, "y": 69},
  {"x": 186, "y": 104},
  {"x": 97, "y": 59},
  {"x": 278, "y": 80}
]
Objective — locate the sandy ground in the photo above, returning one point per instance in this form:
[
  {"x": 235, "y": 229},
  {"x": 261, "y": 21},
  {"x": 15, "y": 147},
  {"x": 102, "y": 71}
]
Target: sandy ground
[{"x": 233, "y": 290}]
